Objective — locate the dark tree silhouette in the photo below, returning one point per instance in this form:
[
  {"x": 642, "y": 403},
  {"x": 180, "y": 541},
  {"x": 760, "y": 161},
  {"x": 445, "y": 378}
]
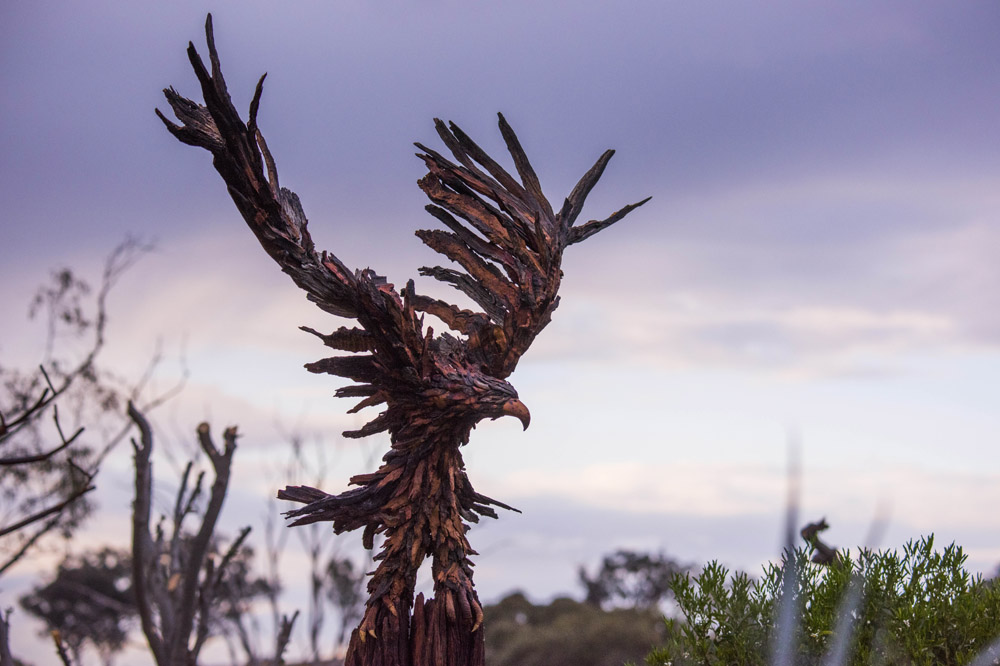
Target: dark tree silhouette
[
  {"x": 345, "y": 592},
  {"x": 639, "y": 580},
  {"x": 89, "y": 600},
  {"x": 47, "y": 463},
  {"x": 237, "y": 590},
  {"x": 46, "y": 472},
  {"x": 184, "y": 585},
  {"x": 508, "y": 241},
  {"x": 42, "y": 484},
  {"x": 565, "y": 632}
]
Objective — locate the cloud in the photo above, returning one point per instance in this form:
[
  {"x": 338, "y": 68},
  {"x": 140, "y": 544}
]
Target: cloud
[
  {"x": 687, "y": 332},
  {"x": 793, "y": 91},
  {"x": 821, "y": 274},
  {"x": 918, "y": 496},
  {"x": 828, "y": 160}
]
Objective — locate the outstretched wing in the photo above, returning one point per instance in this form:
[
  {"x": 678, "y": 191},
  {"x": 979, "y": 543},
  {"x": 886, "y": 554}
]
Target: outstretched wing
[
  {"x": 390, "y": 348},
  {"x": 503, "y": 234},
  {"x": 508, "y": 240}
]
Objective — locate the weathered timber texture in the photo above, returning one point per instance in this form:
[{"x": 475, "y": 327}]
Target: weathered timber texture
[{"x": 507, "y": 241}]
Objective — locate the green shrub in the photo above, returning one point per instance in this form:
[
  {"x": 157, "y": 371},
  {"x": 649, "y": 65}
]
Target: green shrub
[{"x": 919, "y": 607}]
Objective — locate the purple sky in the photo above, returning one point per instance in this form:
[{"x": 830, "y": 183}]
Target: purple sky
[{"x": 820, "y": 254}]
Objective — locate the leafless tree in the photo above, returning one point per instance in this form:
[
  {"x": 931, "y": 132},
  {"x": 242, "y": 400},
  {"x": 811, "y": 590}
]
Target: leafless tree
[
  {"x": 178, "y": 583},
  {"x": 46, "y": 469},
  {"x": 72, "y": 480}
]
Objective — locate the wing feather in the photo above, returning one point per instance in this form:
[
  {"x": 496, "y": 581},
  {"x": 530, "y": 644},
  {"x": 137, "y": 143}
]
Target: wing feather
[
  {"x": 390, "y": 335},
  {"x": 507, "y": 239}
]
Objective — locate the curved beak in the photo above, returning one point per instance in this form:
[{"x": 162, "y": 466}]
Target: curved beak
[{"x": 517, "y": 408}]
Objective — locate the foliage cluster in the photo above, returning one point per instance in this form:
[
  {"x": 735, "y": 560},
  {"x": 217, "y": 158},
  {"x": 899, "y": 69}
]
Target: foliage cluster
[
  {"x": 919, "y": 606},
  {"x": 89, "y": 600}
]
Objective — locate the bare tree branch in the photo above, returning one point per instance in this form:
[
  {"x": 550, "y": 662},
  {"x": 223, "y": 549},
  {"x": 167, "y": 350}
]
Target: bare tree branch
[
  {"x": 33, "y": 411},
  {"x": 284, "y": 635},
  {"x": 56, "y": 509},
  {"x": 59, "y": 475},
  {"x": 80, "y": 490},
  {"x": 45, "y": 455},
  {"x": 176, "y": 581},
  {"x": 142, "y": 564},
  {"x": 209, "y": 591},
  {"x": 44, "y": 513},
  {"x": 29, "y": 542},
  {"x": 61, "y": 648}
]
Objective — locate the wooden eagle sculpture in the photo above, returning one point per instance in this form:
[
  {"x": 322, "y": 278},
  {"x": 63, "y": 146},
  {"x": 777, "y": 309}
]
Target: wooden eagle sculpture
[{"x": 508, "y": 242}]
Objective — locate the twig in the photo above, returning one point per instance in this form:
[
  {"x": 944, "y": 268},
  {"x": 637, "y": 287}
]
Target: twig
[
  {"x": 209, "y": 589},
  {"x": 55, "y": 509},
  {"x": 39, "y": 457},
  {"x": 32, "y": 412},
  {"x": 284, "y": 636},
  {"x": 230, "y": 554},
  {"x": 146, "y": 407},
  {"x": 61, "y": 648},
  {"x": 28, "y": 543}
]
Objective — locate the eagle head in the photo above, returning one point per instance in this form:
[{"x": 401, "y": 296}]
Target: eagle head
[
  {"x": 481, "y": 396},
  {"x": 502, "y": 400}
]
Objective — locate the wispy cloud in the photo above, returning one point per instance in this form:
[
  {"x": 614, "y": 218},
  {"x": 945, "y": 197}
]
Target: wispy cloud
[{"x": 919, "y": 497}]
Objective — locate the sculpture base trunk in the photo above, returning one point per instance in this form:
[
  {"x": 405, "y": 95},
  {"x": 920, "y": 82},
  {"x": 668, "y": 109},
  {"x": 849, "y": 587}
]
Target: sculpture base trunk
[
  {"x": 398, "y": 630},
  {"x": 429, "y": 638},
  {"x": 440, "y": 639}
]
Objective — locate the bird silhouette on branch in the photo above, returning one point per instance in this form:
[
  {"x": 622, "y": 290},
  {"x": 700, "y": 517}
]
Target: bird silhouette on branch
[{"x": 433, "y": 388}]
